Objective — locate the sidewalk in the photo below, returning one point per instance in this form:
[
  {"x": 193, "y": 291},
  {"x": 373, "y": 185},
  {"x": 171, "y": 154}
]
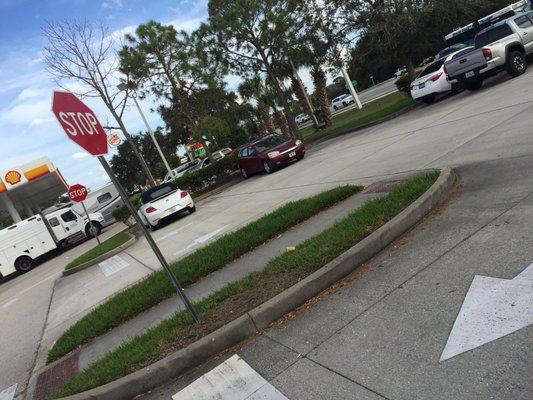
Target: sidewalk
[
  {"x": 45, "y": 378},
  {"x": 380, "y": 333}
]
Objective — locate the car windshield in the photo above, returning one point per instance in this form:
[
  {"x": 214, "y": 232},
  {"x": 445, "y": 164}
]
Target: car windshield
[
  {"x": 269, "y": 142},
  {"x": 218, "y": 155},
  {"x": 157, "y": 192},
  {"x": 492, "y": 35},
  {"x": 433, "y": 67},
  {"x": 449, "y": 50}
]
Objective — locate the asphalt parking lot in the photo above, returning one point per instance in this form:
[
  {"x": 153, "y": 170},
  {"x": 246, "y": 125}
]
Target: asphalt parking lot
[{"x": 491, "y": 124}]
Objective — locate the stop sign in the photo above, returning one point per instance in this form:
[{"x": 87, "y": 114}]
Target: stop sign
[
  {"x": 77, "y": 193},
  {"x": 79, "y": 123}
]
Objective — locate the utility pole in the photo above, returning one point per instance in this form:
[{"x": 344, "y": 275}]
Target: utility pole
[
  {"x": 351, "y": 88},
  {"x": 123, "y": 86}
]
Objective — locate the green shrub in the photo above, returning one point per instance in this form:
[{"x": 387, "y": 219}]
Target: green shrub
[{"x": 122, "y": 214}]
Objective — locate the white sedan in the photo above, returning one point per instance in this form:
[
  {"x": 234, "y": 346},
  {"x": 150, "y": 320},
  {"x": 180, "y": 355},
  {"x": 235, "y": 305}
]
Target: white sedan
[
  {"x": 433, "y": 80},
  {"x": 342, "y": 101},
  {"x": 164, "y": 201}
]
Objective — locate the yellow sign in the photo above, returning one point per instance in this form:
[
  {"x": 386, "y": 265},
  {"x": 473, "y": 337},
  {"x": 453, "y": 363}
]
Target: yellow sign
[{"x": 13, "y": 177}]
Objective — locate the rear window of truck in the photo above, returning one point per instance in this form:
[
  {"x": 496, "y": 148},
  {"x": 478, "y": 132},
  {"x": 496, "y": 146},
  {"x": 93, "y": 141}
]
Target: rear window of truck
[{"x": 492, "y": 35}]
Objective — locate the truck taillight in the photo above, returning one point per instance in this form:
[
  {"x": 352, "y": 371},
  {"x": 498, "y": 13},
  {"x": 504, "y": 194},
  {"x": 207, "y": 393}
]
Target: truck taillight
[
  {"x": 184, "y": 194},
  {"x": 436, "y": 77},
  {"x": 487, "y": 53},
  {"x": 150, "y": 210}
]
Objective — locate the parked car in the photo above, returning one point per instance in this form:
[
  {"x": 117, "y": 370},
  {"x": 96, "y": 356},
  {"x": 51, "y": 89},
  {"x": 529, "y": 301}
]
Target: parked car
[
  {"x": 342, "y": 101},
  {"x": 503, "y": 46},
  {"x": 399, "y": 72},
  {"x": 217, "y": 155},
  {"x": 162, "y": 202},
  {"x": 302, "y": 119},
  {"x": 201, "y": 163},
  {"x": 449, "y": 50},
  {"x": 180, "y": 171},
  {"x": 433, "y": 81},
  {"x": 268, "y": 154}
]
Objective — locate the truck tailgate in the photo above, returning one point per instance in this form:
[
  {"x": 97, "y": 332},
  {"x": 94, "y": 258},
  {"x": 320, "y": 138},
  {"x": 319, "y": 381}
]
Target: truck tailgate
[{"x": 468, "y": 62}]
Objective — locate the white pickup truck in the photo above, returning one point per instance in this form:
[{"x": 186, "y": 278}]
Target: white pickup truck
[
  {"x": 22, "y": 243},
  {"x": 504, "y": 45}
]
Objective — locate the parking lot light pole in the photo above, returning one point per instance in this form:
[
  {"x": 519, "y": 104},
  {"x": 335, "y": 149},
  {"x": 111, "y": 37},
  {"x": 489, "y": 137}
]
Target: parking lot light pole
[
  {"x": 351, "y": 88},
  {"x": 122, "y": 86}
]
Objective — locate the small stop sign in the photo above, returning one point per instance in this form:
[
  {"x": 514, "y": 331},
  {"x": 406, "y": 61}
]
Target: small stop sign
[
  {"x": 79, "y": 123},
  {"x": 77, "y": 193}
]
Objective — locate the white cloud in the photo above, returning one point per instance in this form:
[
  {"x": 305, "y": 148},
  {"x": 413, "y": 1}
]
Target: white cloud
[
  {"x": 112, "y": 4},
  {"x": 80, "y": 154}
]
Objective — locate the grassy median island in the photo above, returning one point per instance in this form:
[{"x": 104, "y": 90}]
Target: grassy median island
[
  {"x": 241, "y": 296},
  {"x": 110, "y": 244},
  {"x": 355, "y": 118},
  {"x": 156, "y": 287}
]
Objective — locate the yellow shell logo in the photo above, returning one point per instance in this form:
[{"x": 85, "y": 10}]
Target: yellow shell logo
[{"x": 13, "y": 177}]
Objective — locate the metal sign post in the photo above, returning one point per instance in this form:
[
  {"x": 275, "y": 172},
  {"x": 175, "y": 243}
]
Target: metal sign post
[
  {"x": 82, "y": 127},
  {"x": 149, "y": 238}
]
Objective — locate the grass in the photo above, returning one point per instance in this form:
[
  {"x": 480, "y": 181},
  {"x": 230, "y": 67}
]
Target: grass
[
  {"x": 350, "y": 120},
  {"x": 247, "y": 293},
  {"x": 156, "y": 287},
  {"x": 106, "y": 246}
]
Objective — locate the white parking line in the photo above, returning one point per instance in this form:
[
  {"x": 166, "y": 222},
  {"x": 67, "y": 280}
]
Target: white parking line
[
  {"x": 201, "y": 240},
  {"x": 234, "y": 379},
  {"x": 8, "y": 303},
  {"x": 173, "y": 233},
  {"x": 9, "y": 393}
]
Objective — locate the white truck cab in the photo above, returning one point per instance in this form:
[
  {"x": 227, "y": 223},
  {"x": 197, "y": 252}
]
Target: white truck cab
[
  {"x": 25, "y": 241},
  {"x": 67, "y": 225}
]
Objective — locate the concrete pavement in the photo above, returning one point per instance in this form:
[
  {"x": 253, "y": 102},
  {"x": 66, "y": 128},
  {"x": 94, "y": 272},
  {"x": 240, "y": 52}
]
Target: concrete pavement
[
  {"x": 24, "y": 304},
  {"x": 380, "y": 333},
  {"x": 492, "y": 123}
]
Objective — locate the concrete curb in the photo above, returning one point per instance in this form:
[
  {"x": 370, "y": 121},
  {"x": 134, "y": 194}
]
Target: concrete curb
[
  {"x": 101, "y": 258},
  {"x": 261, "y": 317}
]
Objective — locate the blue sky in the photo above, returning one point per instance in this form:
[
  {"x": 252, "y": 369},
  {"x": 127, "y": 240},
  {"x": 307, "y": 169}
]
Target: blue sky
[{"x": 28, "y": 129}]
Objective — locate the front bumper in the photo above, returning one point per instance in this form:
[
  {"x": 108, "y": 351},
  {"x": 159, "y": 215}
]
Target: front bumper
[{"x": 287, "y": 157}]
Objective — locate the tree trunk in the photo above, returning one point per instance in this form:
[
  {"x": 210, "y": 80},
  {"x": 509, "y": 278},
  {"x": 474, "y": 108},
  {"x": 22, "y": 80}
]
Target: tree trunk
[
  {"x": 136, "y": 152},
  {"x": 264, "y": 114},
  {"x": 303, "y": 98},
  {"x": 410, "y": 68},
  {"x": 319, "y": 79},
  {"x": 281, "y": 122},
  {"x": 293, "y": 127}
]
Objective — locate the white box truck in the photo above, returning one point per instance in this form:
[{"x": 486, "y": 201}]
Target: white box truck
[{"x": 22, "y": 243}]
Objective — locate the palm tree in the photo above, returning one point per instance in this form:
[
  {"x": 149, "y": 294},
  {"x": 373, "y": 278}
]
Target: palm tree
[{"x": 254, "y": 88}]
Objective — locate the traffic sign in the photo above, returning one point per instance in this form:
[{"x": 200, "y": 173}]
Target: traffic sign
[
  {"x": 79, "y": 123},
  {"x": 77, "y": 193}
]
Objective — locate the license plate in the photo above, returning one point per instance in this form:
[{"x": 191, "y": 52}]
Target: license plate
[
  {"x": 422, "y": 86},
  {"x": 292, "y": 154},
  {"x": 470, "y": 74}
]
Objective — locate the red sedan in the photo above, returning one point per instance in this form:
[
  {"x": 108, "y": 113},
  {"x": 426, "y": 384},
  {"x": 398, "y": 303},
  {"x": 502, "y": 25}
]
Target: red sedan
[{"x": 268, "y": 154}]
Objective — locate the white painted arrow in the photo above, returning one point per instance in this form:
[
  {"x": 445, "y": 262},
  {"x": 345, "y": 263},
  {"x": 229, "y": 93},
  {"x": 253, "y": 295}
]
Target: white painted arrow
[
  {"x": 234, "y": 379},
  {"x": 493, "y": 308},
  {"x": 201, "y": 240}
]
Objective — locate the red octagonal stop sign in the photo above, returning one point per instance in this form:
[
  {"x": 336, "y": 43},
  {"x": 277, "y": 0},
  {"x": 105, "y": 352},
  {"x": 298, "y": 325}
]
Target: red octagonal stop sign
[
  {"x": 77, "y": 193},
  {"x": 79, "y": 123}
]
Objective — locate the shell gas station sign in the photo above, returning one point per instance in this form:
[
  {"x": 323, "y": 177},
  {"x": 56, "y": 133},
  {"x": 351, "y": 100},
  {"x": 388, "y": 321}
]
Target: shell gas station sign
[{"x": 15, "y": 177}]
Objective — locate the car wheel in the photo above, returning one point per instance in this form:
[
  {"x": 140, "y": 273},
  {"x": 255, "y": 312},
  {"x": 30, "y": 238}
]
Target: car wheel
[
  {"x": 474, "y": 85},
  {"x": 517, "y": 64},
  {"x": 94, "y": 230},
  {"x": 336, "y": 108},
  {"x": 457, "y": 87},
  {"x": 192, "y": 209},
  {"x": 266, "y": 167},
  {"x": 428, "y": 99},
  {"x": 244, "y": 173},
  {"x": 24, "y": 264}
]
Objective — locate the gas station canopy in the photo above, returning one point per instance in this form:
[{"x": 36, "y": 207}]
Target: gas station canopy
[{"x": 27, "y": 186}]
